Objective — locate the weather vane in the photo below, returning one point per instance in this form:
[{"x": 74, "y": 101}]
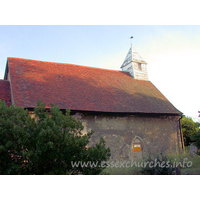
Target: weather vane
[{"x": 131, "y": 39}]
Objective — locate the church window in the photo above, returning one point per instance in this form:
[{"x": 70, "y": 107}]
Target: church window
[{"x": 137, "y": 147}]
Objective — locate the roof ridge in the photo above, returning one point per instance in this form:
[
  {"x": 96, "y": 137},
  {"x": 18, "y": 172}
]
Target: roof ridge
[{"x": 64, "y": 64}]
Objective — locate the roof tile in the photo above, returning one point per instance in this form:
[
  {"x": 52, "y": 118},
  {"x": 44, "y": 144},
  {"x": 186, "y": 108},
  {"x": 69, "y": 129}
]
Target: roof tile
[
  {"x": 5, "y": 94},
  {"x": 83, "y": 88}
]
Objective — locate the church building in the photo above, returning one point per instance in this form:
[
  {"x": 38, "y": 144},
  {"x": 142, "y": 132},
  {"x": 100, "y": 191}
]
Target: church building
[{"x": 122, "y": 106}]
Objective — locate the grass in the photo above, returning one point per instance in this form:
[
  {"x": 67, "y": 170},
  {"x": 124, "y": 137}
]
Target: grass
[
  {"x": 193, "y": 164},
  {"x": 194, "y": 169}
]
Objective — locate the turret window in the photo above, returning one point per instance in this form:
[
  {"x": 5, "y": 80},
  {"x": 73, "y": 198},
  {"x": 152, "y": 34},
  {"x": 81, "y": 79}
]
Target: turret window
[{"x": 140, "y": 66}]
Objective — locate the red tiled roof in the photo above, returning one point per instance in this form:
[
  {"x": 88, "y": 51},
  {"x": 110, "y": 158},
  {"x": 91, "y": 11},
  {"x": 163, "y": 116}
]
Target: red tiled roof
[
  {"x": 5, "y": 94},
  {"x": 83, "y": 88}
]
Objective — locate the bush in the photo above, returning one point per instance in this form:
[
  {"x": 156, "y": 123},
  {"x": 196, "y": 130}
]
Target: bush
[
  {"x": 196, "y": 139},
  {"x": 47, "y": 143},
  {"x": 158, "y": 165},
  {"x": 189, "y": 128}
]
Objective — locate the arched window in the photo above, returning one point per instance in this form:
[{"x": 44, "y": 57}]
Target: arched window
[{"x": 137, "y": 147}]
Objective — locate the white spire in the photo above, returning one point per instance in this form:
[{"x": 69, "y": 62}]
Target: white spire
[
  {"x": 135, "y": 64},
  {"x": 132, "y": 56}
]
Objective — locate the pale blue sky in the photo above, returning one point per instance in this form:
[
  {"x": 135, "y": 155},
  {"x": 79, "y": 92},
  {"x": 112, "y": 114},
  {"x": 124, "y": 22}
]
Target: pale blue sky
[{"x": 172, "y": 52}]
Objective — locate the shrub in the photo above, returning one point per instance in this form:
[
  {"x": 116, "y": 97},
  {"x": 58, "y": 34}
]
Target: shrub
[
  {"x": 158, "y": 165},
  {"x": 189, "y": 128},
  {"x": 45, "y": 144},
  {"x": 196, "y": 139}
]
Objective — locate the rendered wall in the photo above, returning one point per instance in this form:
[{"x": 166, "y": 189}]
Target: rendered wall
[{"x": 157, "y": 133}]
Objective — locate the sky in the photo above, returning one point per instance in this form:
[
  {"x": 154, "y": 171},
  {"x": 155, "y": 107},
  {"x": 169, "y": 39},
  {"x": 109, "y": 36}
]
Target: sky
[{"x": 171, "y": 52}]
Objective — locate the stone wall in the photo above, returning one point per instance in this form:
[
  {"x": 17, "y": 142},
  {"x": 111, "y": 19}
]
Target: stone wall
[{"x": 156, "y": 133}]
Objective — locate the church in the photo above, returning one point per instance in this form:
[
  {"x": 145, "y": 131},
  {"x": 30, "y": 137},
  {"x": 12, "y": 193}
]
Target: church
[{"x": 122, "y": 106}]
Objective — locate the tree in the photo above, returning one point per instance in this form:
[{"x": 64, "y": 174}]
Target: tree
[
  {"x": 47, "y": 143},
  {"x": 189, "y": 128},
  {"x": 196, "y": 137}
]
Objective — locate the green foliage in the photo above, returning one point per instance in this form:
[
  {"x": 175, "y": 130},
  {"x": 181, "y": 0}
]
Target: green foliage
[
  {"x": 189, "y": 128},
  {"x": 157, "y": 165},
  {"x": 194, "y": 169},
  {"x": 132, "y": 170},
  {"x": 45, "y": 144},
  {"x": 196, "y": 139}
]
